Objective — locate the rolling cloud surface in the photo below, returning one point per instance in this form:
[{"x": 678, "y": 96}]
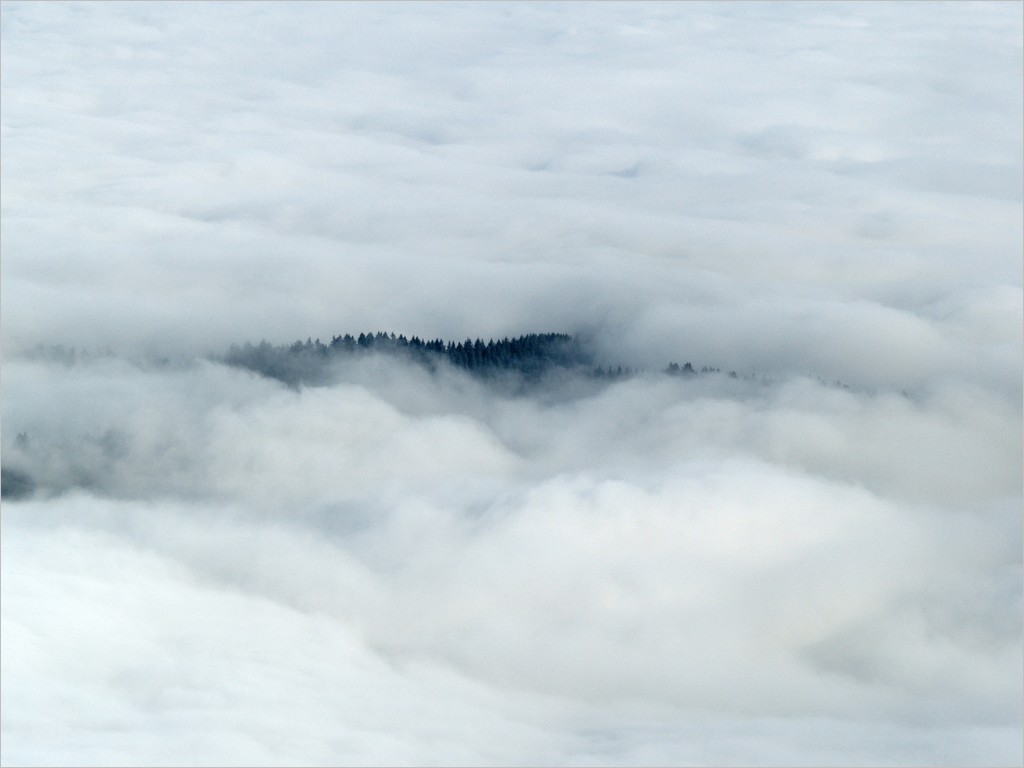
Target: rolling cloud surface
[{"x": 817, "y": 562}]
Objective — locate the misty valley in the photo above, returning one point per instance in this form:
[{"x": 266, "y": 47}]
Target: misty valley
[{"x": 546, "y": 368}]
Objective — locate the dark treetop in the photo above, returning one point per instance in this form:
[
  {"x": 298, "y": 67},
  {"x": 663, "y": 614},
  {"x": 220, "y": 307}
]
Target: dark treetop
[{"x": 526, "y": 360}]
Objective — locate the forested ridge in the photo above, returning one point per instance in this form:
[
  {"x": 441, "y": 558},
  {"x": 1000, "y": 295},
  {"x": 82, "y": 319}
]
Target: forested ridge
[{"x": 528, "y": 358}]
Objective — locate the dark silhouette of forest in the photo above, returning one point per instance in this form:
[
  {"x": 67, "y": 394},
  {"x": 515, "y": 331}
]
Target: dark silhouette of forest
[{"x": 526, "y": 360}]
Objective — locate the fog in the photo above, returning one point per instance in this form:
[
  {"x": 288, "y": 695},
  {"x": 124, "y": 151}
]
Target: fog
[{"x": 817, "y": 561}]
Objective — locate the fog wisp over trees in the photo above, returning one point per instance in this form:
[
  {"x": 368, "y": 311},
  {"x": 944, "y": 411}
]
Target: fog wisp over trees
[
  {"x": 529, "y": 356},
  {"x": 525, "y": 361}
]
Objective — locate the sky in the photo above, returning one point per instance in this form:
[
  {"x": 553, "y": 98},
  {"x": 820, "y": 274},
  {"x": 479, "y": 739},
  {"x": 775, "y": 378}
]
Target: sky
[{"x": 818, "y": 562}]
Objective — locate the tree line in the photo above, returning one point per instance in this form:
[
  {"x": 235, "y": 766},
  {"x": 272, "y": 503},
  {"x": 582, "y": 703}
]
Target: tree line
[{"x": 528, "y": 358}]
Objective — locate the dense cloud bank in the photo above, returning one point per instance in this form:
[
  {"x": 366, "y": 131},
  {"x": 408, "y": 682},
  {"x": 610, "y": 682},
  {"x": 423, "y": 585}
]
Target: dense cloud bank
[
  {"x": 410, "y": 567},
  {"x": 715, "y": 172},
  {"x": 406, "y": 564}
]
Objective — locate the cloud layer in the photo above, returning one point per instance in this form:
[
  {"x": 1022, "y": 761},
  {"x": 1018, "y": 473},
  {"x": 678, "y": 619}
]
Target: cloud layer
[{"x": 406, "y": 568}]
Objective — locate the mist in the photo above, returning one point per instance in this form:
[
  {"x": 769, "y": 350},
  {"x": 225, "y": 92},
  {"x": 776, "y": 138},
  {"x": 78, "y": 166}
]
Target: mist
[{"x": 810, "y": 554}]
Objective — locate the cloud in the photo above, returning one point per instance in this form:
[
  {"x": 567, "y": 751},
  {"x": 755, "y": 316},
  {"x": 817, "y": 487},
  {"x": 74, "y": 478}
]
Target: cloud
[
  {"x": 816, "y": 561},
  {"x": 310, "y": 182},
  {"x": 705, "y": 550}
]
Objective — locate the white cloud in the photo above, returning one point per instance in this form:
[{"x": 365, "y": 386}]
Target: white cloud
[{"x": 412, "y": 568}]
